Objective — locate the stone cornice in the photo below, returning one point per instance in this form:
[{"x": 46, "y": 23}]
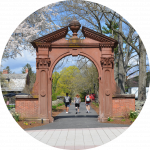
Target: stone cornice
[
  {"x": 107, "y": 62},
  {"x": 99, "y": 37},
  {"x": 50, "y": 37},
  {"x": 75, "y": 45},
  {"x": 107, "y": 44},
  {"x": 42, "y": 45}
]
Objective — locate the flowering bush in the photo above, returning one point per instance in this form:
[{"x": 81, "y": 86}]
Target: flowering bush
[
  {"x": 133, "y": 114},
  {"x": 15, "y": 116}
]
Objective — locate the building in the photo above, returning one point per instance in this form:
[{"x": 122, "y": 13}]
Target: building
[
  {"x": 14, "y": 82},
  {"x": 133, "y": 82}
]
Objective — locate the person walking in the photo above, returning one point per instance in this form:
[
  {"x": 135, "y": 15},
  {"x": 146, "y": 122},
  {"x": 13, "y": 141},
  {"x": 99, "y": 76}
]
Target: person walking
[
  {"x": 67, "y": 101},
  {"x": 87, "y": 102},
  {"x": 77, "y": 101}
]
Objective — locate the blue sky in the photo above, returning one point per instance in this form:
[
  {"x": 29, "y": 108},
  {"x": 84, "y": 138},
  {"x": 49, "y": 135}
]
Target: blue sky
[{"x": 17, "y": 64}]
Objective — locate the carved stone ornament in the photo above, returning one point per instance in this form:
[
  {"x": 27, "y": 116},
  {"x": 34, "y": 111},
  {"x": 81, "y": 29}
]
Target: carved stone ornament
[
  {"x": 74, "y": 26},
  {"x": 107, "y": 44},
  {"x": 107, "y": 62},
  {"x": 43, "y": 62},
  {"x": 43, "y": 45},
  {"x": 43, "y": 93},
  {"x": 107, "y": 92}
]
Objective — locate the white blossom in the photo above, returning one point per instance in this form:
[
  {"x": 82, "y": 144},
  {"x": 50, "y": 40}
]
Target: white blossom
[{"x": 36, "y": 25}]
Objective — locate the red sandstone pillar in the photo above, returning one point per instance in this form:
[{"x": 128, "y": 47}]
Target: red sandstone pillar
[
  {"x": 105, "y": 86},
  {"x": 43, "y": 65}
]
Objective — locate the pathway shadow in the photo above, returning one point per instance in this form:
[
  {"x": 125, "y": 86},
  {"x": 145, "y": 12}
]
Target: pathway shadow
[{"x": 76, "y": 116}]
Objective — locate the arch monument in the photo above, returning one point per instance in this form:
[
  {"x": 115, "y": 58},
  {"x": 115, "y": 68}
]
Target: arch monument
[{"x": 53, "y": 47}]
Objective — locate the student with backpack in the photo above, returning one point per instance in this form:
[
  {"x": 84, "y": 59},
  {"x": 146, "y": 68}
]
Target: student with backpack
[
  {"x": 87, "y": 102},
  {"x": 67, "y": 101},
  {"x": 77, "y": 101}
]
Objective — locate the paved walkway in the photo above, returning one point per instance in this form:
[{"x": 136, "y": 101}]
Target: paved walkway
[{"x": 76, "y": 131}]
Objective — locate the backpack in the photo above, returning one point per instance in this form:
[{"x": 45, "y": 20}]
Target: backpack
[
  {"x": 67, "y": 99},
  {"x": 77, "y": 100},
  {"x": 88, "y": 99}
]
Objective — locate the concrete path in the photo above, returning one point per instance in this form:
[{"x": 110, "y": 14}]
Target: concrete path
[{"x": 77, "y": 131}]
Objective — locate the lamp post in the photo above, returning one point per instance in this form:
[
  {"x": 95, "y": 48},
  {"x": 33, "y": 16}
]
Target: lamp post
[{"x": 94, "y": 88}]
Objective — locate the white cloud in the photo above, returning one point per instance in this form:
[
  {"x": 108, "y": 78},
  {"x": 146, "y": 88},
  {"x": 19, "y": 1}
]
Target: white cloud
[{"x": 20, "y": 61}]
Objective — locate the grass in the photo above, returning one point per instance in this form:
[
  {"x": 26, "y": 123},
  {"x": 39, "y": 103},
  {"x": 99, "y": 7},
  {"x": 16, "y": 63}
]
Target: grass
[
  {"x": 123, "y": 120},
  {"x": 96, "y": 104},
  {"x": 10, "y": 106}
]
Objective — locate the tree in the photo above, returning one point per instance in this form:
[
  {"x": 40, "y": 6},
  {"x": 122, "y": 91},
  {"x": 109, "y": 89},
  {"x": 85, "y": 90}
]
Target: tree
[
  {"x": 30, "y": 78},
  {"x": 88, "y": 77},
  {"x": 93, "y": 15},
  {"x": 55, "y": 77},
  {"x": 36, "y": 25},
  {"x": 121, "y": 74},
  {"x": 137, "y": 45},
  {"x": 3, "y": 81},
  {"x": 106, "y": 30},
  {"x": 27, "y": 66},
  {"x": 65, "y": 82}
]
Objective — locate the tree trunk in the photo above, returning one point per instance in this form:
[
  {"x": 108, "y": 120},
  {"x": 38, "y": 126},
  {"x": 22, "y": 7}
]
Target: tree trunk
[
  {"x": 121, "y": 77},
  {"x": 142, "y": 72},
  {"x": 116, "y": 71}
]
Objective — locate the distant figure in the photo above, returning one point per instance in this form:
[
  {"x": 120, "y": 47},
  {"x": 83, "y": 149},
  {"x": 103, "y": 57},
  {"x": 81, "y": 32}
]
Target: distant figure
[
  {"x": 92, "y": 97},
  {"x": 67, "y": 101},
  {"x": 87, "y": 102},
  {"x": 77, "y": 101}
]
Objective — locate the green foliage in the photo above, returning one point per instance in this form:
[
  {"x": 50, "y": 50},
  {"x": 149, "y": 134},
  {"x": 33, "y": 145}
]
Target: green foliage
[
  {"x": 65, "y": 82},
  {"x": 60, "y": 104},
  {"x": 108, "y": 31},
  {"x": 109, "y": 119},
  {"x": 96, "y": 104},
  {"x": 16, "y": 116},
  {"x": 30, "y": 80},
  {"x": 5, "y": 100},
  {"x": 54, "y": 107},
  {"x": 55, "y": 77},
  {"x": 74, "y": 81},
  {"x": 133, "y": 115},
  {"x": 82, "y": 96},
  {"x": 54, "y": 95},
  {"x": 111, "y": 33},
  {"x": 123, "y": 120},
  {"x": 30, "y": 72}
]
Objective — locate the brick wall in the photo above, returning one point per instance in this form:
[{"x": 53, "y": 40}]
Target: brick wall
[
  {"x": 27, "y": 107},
  {"x": 122, "y": 105}
]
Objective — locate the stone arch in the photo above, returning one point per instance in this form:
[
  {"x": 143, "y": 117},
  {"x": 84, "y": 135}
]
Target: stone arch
[
  {"x": 64, "y": 55},
  {"x": 52, "y": 47}
]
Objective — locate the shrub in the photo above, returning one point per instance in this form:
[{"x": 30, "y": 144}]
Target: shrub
[
  {"x": 54, "y": 95},
  {"x": 133, "y": 114},
  {"x": 54, "y": 107},
  {"x": 16, "y": 116},
  {"x": 60, "y": 104}
]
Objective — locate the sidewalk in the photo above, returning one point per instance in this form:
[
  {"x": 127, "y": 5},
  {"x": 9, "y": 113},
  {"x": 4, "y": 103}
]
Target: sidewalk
[{"x": 77, "y": 131}]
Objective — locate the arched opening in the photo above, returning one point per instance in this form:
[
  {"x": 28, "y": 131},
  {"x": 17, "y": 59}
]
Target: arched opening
[{"x": 82, "y": 77}]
